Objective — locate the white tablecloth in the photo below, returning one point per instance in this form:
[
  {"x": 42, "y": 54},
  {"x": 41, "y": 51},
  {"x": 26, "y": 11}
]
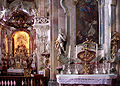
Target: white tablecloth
[
  {"x": 86, "y": 79},
  {"x": 15, "y": 70}
]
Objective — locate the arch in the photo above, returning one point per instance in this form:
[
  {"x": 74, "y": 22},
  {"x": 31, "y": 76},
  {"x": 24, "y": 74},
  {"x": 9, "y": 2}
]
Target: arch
[
  {"x": 31, "y": 40},
  {"x": 21, "y": 39}
]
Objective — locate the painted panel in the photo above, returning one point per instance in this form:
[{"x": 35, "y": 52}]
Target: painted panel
[{"x": 87, "y": 21}]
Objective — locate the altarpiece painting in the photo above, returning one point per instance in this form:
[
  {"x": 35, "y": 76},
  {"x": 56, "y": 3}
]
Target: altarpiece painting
[{"x": 87, "y": 21}]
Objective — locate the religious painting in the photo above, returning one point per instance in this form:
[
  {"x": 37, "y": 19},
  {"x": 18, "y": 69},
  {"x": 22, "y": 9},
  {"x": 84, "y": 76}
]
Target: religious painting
[
  {"x": 87, "y": 21},
  {"x": 21, "y": 43}
]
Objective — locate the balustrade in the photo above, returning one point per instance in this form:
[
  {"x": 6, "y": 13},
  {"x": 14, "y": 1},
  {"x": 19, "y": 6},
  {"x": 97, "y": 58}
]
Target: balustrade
[{"x": 23, "y": 81}]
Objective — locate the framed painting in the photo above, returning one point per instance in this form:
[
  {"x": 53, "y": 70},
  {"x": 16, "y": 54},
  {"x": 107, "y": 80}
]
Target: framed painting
[{"x": 87, "y": 21}]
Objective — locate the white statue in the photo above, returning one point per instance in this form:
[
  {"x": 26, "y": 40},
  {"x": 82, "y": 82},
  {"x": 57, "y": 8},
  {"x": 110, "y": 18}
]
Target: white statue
[{"x": 61, "y": 43}]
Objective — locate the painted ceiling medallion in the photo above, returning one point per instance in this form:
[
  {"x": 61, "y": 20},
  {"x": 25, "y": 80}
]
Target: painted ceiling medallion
[{"x": 20, "y": 19}]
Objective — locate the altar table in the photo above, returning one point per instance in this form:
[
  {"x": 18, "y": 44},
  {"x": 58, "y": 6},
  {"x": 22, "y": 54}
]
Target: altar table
[
  {"x": 92, "y": 79},
  {"x": 15, "y": 71}
]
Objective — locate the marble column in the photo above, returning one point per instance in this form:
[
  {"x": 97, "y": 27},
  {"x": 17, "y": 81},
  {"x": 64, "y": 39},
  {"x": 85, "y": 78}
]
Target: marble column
[
  {"x": 9, "y": 45},
  {"x": 107, "y": 18},
  {"x": 54, "y": 33},
  {"x": 113, "y": 16},
  {"x": 0, "y": 44},
  {"x": 71, "y": 26},
  {"x": 61, "y": 18},
  {"x": 42, "y": 8},
  {"x": 101, "y": 4},
  {"x": 3, "y": 45},
  {"x": 118, "y": 16}
]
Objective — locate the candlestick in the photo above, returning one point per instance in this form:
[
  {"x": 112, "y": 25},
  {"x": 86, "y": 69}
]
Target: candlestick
[
  {"x": 68, "y": 69},
  {"x": 96, "y": 50},
  {"x": 96, "y": 64},
  {"x": 69, "y": 51},
  {"x": 76, "y": 51},
  {"x": 76, "y": 71}
]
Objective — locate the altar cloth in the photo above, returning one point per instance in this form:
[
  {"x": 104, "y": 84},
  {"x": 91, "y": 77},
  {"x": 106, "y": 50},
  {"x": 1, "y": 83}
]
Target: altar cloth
[
  {"x": 15, "y": 70},
  {"x": 86, "y": 79}
]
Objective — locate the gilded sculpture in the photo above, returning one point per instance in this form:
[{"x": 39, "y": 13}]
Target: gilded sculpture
[
  {"x": 88, "y": 54},
  {"x": 114, "y": 45}
]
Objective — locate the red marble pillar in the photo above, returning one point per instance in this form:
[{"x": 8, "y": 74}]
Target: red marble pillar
[
  {"x": 0, "y": 35},
  {"x": 3, "y": 45},
  {"x": 9, "y": 46},
  {"x": 0, "y": 42},
  {"x": 54, "y": 33}
]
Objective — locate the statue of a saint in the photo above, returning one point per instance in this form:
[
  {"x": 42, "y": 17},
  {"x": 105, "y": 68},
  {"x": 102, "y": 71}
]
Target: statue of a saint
[
  {"x": 61, "y": 43},
  {"x": 61, "y": 46}
]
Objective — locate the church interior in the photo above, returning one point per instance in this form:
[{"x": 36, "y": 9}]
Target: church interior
[{"x": 59, "y": 43}]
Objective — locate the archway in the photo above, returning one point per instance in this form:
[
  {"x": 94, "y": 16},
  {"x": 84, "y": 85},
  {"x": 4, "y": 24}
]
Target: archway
[{"x": 20, "y": 43}]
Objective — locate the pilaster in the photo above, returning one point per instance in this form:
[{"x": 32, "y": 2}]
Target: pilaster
[
  {"x": 54, "y": 33},
  {"x": 107, "y": 23},
  {"x": 118, "y": 16}
]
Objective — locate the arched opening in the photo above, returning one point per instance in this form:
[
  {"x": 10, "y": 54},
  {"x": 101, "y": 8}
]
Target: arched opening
[{"x": 21, "y": 43}]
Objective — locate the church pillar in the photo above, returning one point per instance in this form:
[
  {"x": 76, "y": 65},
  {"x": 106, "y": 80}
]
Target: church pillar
[
  {"x": 118, "y": 16},
  {"x": 9, "y": 45},
  {"x": 101, "y": 4},
  {"x": 42, "y": 8},
  {"x": 54, "y": 33},
  {"x": 72, "y": 27},
  {"x": 34, "y": 42},
  {"x": 3, "y": 42},
  {"x": 113, "y": 16},
  {"x": 107, "y": 23},
  {"x": 61, "y": 18},
  {"x": 0, "y": 43}
]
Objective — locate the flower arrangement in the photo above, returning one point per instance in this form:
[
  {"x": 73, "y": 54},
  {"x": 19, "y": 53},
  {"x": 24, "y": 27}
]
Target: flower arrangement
[
  {"x": 41, "y": 68},
  {"x": 59, "y": 69},
  {"x": 113, "y": 70}
]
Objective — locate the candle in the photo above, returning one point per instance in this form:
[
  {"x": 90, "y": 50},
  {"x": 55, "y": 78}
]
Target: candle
[
  {"x": 69, "y": 51},
  {"x": 96, "y": 50},
  {"x": 76, "y": 51}
]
